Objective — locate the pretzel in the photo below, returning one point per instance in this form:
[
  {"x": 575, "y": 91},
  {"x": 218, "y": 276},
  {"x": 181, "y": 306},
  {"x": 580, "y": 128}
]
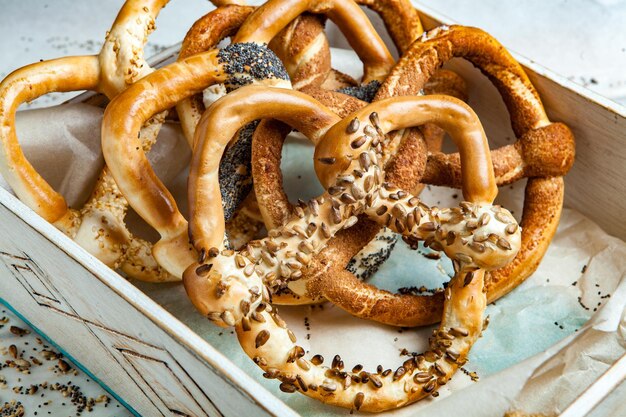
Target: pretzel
[
  {"x": 232, "y": 288},
  {"x": 544, "y": 153},
  {"x": 360, "y": 250},
  {"x": 175, "y": 82},
  {"x": 306, "y": 55},
  {"x": 99, "y": 226},
  {"x": 265, "y": 22}
]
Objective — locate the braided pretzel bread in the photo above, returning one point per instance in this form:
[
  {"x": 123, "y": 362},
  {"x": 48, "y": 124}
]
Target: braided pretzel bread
[
  {"x": 547, "y": 147},
  {"x": 235, "y": 65},
  {"x": 99, "y": 227},
  {"x": 233, "y": 288}
]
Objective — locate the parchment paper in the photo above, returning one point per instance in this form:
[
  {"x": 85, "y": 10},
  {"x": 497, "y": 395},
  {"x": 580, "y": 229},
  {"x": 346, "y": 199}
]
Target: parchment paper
[{"x": 547, "y": 340}]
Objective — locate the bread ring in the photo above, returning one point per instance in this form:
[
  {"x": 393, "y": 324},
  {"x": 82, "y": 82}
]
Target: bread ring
[
  {"x": 263, "y": 25},
  {"x": 233, "y": 288},
  {"x": 238, "y": 64},
  {"x": 301, "y": 46},
  {"x": 269, "y": 137},
  {"x": 153, "y": 94},
  {"x": 99, "y": 226},
  {"x": 551, "y": 143}
]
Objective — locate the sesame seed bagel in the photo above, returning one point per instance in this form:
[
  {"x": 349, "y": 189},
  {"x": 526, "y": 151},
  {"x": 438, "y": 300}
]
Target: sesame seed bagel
[
  {"x": 99, "y": 226},
  {"x": 232, "y": 288},
  {"x": 543, "y": 153}
]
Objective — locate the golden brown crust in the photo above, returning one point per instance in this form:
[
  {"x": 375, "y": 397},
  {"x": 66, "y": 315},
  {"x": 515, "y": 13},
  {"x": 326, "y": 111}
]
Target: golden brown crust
[
  {"x": 303, "y": 48},
  {"x": 232, "y": 288},
  {"x": 212, "y": 28},
  {"x": 128, "y": 163},
  {"x": 99, "y": 226},
  {"x": 400, "y": 18},
  {"x": 265, "y": 23},
  {"x": 26, "y": 84},
  {"x": 544, "y": 150}
]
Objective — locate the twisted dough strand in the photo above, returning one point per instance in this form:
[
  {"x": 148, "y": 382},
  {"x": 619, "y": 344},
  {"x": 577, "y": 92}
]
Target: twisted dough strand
[
  {"x": 233, "y": 288},
  {"x": 99, "y": 226}
]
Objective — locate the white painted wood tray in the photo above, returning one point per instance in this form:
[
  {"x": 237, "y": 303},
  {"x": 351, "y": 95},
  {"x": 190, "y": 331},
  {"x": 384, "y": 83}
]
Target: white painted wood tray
[{"x": 155, "y": 363}]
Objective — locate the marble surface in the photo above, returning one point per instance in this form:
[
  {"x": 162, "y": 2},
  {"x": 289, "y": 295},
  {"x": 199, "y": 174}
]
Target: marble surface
[{"x": 583, "y": 40}]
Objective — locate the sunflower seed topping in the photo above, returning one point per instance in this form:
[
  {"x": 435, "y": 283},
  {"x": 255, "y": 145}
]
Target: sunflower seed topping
[
  {"x": 261, "y": 338},
  {"x": 511, "y": 228},
  {"x": 353, "y": 126},
  {"x": 503, "y": 244},
  {"x": 358, "y": 142},
  {"x": 422, "y": 377},
  {"x": 317, "y": 360},
  {"x": 358, "y": 400},
  {"x": 427, "y": 227},
  {"x": 228, "y": 318},
  {"x": 203, "y": 270}
]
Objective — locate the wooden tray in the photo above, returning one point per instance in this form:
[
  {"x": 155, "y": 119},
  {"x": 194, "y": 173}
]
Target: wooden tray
[{"x": 155, "y": 362}]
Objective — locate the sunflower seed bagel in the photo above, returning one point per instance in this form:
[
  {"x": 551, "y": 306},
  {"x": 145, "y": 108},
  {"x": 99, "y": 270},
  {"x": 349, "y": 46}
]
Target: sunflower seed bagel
[
  {"x": 232, "y": 288},
  {"x": 99, "y": 226},
  {"x": 543, "y": 153},
  {"x": 402, "y": 21}
]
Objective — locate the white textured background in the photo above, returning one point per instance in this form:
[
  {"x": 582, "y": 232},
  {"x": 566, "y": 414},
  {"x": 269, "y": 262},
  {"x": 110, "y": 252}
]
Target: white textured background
[{"x": 584, "y": 40}]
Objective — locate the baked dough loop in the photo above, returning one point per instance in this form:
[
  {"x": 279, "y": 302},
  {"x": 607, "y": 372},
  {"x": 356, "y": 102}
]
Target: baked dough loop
[
  {"x": 358, "y": 246},
  {"x": 543, "y": 153},
  {"x": 238, "y": 64},
  {"x": 232, "y": 288},
  {"x": 366, "y": 248},
  {"x": 99, "y": 226},
  {"x": 271, "y": 17},
  {"x": 304, "y": 51}
]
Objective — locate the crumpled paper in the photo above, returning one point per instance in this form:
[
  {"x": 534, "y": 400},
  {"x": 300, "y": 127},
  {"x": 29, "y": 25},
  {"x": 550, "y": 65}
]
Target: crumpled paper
[
  {"x": 548, "y": 339},
  {"x": 63, "y": 145}
]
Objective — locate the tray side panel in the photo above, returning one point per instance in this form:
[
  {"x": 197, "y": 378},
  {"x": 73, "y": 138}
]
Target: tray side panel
[{"x": 150, "y": 370}]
